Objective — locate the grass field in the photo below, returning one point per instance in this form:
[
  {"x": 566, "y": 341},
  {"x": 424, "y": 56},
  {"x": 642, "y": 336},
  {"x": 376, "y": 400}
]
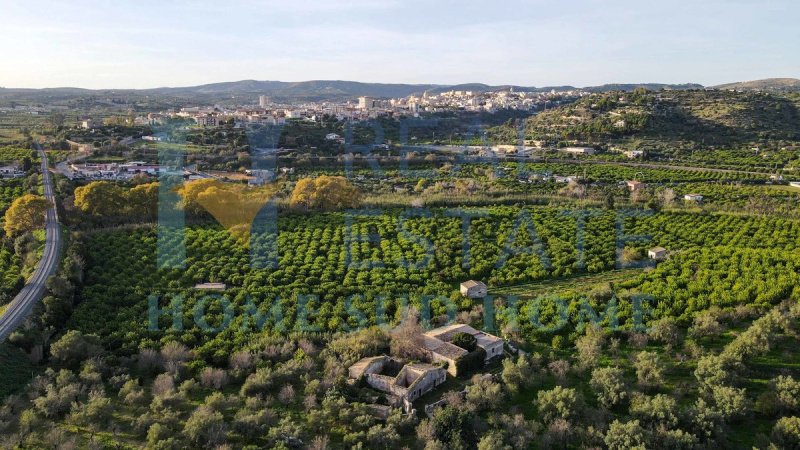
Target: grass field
[
  {"x": 8, "y": 136},
  {"x": 571, "y": 285}
]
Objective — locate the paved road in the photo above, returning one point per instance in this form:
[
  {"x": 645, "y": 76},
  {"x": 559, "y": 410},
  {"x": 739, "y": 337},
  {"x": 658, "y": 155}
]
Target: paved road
[
  {"x": 23, "y": 303},
  {"x": 62, "y": 167}
]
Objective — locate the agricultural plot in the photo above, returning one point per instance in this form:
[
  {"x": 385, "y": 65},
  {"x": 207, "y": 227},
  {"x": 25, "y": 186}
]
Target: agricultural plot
[
  {"x": 10, "y": 277},
  {"x": 347, "y": 279},
  {"x": 15, "y": 155},
  {"x": 10, "y": 189},
  {"x": 615, "y": 173},
  {"x": 743, "y": 195}
]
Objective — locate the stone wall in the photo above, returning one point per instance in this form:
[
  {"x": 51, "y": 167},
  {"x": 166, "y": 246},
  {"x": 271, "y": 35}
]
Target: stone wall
[
  {"x": 426, "y": 383},
  {"x": 385, "y": 384}
]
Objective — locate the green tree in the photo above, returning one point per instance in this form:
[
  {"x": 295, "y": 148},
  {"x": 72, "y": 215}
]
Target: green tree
[
  {"x": 787, "y": 391},
  {"x": 590, "y": 347},
  {"x": 609, "y": 386},
  {"x": 493, "y": 440},
  {"x": 205, "y": 427},
  {"x": 73, "y": 347},
  {"x": 665, "y": 330},
  {"x": 160, "y": 437},
  {"x": 517, "y": 374},
  {"x": 659, "y": 409},
  {"x": 625, "y": 436},
  {"x": 714, "y": 370},
  {"x": 786, "y": 433},
  {"x": 483, "y": 393},
  {"x": 56, "y": 310},
  {"x": 729, "y": 402},
  {"x": 649, "y": 369},
  {"x": 454, "y": 426},
  {"x": 557, "y": 403},
  {"x": 465, "y": 341},
  {"x": 383, "y": 436},
  {"x": 96, "y": 412}
]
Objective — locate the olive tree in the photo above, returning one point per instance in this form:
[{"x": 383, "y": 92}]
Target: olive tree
[
  {"x": 609, "y": 386},
  {"x": 649, "y": 369},
  {"x": 558, "y": 403},
  {"x": 625, "y": 436}
]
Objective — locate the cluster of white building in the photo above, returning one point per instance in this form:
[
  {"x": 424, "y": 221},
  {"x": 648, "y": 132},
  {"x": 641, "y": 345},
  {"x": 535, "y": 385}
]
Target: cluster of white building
[
  {"x": 34, "y": 110},
  {"x": 365, "y": 107},
  {"x": 216, "y": 115},
  {"x": 484, "y": 101},
  {"x": 11, "y": 172},
  {"x": 123, "y": 171}
]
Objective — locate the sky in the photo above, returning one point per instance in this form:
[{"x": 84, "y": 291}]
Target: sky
[{"x": 147, "y": 44}]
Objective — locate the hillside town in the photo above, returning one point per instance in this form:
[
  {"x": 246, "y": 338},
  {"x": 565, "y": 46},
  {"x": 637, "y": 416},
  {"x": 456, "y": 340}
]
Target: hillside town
[{"x": 268, "y": 112}]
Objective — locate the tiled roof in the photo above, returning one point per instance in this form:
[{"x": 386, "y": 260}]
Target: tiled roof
[{"x": 442, "y": 348}]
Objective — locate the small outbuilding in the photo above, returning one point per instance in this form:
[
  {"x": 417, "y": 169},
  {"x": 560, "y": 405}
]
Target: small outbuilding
[
  {"x": 693, "y": 198},
  {"x": 657, "y": 253},
  {"x": 474, "y": 289},
  {"x": 579, "y": 150},
  {"x": 210, "y": 286},
  {"x": 634, "y": 185}
]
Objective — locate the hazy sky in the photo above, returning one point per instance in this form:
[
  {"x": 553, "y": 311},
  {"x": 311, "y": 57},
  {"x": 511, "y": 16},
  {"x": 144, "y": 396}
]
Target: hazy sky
[{"x": 127, "y": 44}]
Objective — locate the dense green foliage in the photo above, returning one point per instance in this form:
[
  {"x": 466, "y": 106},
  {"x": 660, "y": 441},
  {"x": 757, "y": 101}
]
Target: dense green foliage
[
  {"x": 690, "y": 118},
  {"x": 9, "y": 190},
  {"x": 698, "y": 350},
  {"x": 348, "y": 282},
  {"x": 15, "y": 369},
  {"x": 10, "y": 155}
]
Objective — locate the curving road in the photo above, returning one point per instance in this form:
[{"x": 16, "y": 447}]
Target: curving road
[{"x": 22, "y": 305}]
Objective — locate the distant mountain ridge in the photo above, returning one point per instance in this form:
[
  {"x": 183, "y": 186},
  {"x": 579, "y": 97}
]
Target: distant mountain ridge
[
  {"x": 648, "y": 86},
  {"x": 354, "y": 88},
  {"x": 767, "y": 84},
  {"x": 316, "y": 90},
  {"x": 322, "y": 89},
  {"x": 313, "y": 88}
]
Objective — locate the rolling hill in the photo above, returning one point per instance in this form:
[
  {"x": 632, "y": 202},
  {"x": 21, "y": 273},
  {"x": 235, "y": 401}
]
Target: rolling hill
[
  {"x": 768, "y": 84},
  {"x": 649, "y": 86},
  {"x": 314, "y": 90},
  {"x": 302, "y": 89},
  {"x": 668, "y": 121}
]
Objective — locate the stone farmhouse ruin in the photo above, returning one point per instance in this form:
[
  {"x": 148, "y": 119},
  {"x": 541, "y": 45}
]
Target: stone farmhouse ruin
[
  {"x": 402, "y": 383},
  {"x": 405, "y": 383}
]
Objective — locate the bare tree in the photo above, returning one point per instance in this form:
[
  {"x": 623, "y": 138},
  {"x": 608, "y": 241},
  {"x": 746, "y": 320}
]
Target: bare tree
[
  {"x": 174, "y": 356},
  {"x": 667, "y": 197},
  {"x": 559, "y": 369},
  {"x": 406, "y": 339},
  {"x": 213, "y": 378}
]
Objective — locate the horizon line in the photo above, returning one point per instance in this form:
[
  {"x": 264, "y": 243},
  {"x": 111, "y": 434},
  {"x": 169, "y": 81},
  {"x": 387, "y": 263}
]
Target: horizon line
[{"x": 433, "y": 85}]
